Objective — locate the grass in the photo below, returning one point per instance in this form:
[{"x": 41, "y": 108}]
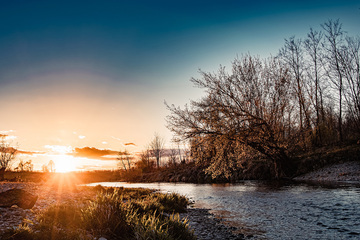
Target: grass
[{"x": 114, "y": 214}]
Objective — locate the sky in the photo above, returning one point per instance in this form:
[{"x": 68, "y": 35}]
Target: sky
[{"x": 77, "y": 74}]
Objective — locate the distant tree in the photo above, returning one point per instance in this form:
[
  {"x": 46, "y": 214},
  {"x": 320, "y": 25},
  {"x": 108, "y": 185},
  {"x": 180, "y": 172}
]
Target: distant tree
[
  {"x": 157, "y": 148},
  {"x": 145, "y": 156},
  {"x": 45, "y": 168},
  {"x": 24, "y": 166},
  {"x": 173, "y": 156},
  {"x": 124, "y": 158},
  {"x": 7, "y": 156},
  {"x": 51, "y": 166},
  {"x": 28, "y": 166}
]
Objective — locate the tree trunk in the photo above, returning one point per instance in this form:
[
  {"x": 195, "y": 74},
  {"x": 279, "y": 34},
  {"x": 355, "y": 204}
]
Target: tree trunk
[{"x": 2, "y": 174}]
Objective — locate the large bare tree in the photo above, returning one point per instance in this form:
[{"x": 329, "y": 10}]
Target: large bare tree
[{"x": 248, "y": 107}]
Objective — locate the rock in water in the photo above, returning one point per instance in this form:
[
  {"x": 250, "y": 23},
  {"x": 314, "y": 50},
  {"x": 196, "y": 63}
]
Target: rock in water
[{"x": 18, "y": 197}]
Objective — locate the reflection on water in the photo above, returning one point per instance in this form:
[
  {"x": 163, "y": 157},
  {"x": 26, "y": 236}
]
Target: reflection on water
[{"x": 279, "y": 211}]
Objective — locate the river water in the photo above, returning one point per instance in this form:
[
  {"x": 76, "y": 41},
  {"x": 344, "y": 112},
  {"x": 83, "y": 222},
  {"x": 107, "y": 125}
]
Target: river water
[{"x": 275, "y": 211}]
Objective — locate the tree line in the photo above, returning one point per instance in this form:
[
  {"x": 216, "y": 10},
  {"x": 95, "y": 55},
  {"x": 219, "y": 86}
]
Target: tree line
[{"x": 305, "y": 97}]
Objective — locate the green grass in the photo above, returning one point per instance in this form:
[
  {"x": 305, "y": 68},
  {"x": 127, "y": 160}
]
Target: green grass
[{"x": 113, "y": 214}]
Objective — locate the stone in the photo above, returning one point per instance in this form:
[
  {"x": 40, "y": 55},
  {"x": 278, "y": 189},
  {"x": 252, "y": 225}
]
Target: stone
[{"x": 18, "y": 197}]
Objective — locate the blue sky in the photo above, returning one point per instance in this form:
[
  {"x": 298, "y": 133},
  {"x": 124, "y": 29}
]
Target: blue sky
[{"x": 102, "y": 69}]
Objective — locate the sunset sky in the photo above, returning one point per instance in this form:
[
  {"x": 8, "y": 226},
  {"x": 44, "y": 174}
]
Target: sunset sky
[{"x": 95, "y": 74}]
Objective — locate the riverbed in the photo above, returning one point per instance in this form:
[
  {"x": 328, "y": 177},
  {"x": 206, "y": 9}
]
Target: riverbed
[{"x": 275, "y": 210}]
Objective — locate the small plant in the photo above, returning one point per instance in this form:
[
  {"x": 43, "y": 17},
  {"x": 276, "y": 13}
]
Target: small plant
[{"x": 107, "y": 216}]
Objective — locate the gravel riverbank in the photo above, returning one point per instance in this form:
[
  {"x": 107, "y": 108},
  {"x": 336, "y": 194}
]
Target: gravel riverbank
[{"x": 340, "y": 172}]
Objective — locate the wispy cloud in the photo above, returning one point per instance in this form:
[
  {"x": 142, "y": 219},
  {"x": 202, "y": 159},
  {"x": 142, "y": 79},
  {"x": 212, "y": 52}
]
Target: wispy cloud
[
  {"x": 116, "y": 138},
  {"x": 59, "y": 148}
]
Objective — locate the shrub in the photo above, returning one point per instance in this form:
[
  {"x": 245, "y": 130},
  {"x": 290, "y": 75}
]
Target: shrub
[{"x": 107, "y": 216}]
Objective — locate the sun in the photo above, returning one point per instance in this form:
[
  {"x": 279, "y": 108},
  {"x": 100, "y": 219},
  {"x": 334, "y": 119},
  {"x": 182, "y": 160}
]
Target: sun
[{"x": 64, "y": 163}]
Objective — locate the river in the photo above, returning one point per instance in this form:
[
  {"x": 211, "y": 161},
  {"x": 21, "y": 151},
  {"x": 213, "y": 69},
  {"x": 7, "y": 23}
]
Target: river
[{"x": 275, "y": 211}]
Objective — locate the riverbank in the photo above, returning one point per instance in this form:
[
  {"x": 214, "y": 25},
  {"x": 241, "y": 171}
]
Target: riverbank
[
  {"x": 339, "y": 172},
  {"x": 205, "y": 225}
]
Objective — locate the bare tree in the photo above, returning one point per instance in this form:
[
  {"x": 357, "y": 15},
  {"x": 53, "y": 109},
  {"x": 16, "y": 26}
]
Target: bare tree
[
  {"x": 293, "y": 56},
  {"x": 350, "y": 65},
  {"x": 246, "y": 107},
  {"x": 334, "y": 36},
  {"x": 173, "y": 156},
  {"x": 157, "y": 147},
  {"x": 125, "y": 158},
  {"x": 145, "y": 156},
  {"x": 314, "y": 50},
  {"x": 51, "y": 166},
  {"x": 7, "y": 156},
  {"x": 45, "y": 168}
]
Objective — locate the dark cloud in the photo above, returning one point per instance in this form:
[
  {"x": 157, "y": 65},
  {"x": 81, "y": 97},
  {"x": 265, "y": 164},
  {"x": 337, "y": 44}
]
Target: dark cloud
[
  {"x": 130, "y": 144},
  {"x": 95, "y": 153}
]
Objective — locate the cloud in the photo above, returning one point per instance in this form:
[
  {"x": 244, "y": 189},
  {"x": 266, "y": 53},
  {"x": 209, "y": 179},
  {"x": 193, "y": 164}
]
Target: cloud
[
  {"x": 59, "y": 148},
  {"x": 130, "y": 144},
  {"x": 82, "y": 137},
  {"x": 91, "y": 152},
  {"x": 6, "y": 137},
  {"x": 29, "y": 152}
]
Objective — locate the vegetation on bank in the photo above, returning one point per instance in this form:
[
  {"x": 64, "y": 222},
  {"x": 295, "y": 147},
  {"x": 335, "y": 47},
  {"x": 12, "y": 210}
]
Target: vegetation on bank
[
  {"x": 270, "y": 111},
  {"x": 113, "y": 214},
  {"x": 259, "y": 169}
]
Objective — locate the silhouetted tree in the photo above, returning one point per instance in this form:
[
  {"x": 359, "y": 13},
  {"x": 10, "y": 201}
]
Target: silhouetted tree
[
  {"x": 157, "y": 147},
  {"x": 24, "y": 166},
  {"x": 125, "y": 158},
  {"x": 51, "y": 166},
  {"x": 7, "y": 156}
]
